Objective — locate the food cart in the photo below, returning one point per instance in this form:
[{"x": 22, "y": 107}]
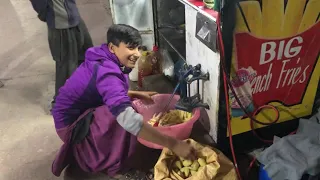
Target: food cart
[{"x": 271, "y": 59}]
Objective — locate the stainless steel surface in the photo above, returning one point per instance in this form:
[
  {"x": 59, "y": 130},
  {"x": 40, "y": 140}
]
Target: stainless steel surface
[
  {"x": 169, "y": 12},
  {"x": 136, "y": 13},
  {"x": 169, "y": 20},
  {"x": 175, "y": 39},
  {"x": 199, "y": 9}
]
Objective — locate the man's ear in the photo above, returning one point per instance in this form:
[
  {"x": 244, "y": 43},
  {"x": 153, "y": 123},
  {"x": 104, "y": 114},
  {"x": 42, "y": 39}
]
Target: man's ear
[{"x": 111, "y": 47}]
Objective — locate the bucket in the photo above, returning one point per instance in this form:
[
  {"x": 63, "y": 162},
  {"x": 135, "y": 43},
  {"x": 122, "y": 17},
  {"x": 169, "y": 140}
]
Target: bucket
[{"x": 180, "y": 131}]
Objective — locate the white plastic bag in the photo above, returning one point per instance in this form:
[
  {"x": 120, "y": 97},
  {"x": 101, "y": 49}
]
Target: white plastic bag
[
  {"x": 167, "y": 64},
  {"x": 133, "y": 75}
]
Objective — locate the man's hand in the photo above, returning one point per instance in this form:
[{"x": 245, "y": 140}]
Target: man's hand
[
  {"x": 143, "y": 95},
  {"x": 184, "y": 150}
]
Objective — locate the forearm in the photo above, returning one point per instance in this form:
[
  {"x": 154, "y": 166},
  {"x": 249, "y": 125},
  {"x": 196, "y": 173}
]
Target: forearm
[
  {"x": 140, "y": 94},
  {"x": 148, "y": 133},
  {"x": 134, "y": 94},
  {"x": 131, "y": 94},
  {"x": 133, "y": 123}
]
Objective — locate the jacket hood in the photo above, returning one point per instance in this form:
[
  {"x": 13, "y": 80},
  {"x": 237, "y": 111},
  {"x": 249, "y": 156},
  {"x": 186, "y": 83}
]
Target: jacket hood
[{"x": 101, "y": 53}]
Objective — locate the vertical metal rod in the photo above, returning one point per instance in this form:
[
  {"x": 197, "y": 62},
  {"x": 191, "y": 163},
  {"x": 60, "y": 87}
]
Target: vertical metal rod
[
  {"x": 189, "y": 92},
  {"x": 198, "y": 87},
  {"x": 155, "y": 21}
]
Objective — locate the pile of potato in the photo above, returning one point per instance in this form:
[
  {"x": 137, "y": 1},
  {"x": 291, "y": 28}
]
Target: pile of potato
[
  {"x": 173, "y": 117},
  {"x": 187, "y": 168}
]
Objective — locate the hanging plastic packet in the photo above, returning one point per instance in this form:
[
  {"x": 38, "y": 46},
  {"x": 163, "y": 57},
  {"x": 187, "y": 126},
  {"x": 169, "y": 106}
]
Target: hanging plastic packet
[
  {"x": 167, "y": 64},
  {"x": 134, "y": 74},
  {"x": 144, "y": 67},
  {"x": 155, "y": 59},
  {"x": 242, "y": 87}
]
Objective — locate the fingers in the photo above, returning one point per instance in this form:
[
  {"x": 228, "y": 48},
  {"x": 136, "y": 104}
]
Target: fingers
[
  {"x": 193, "y": 154},
  {"x": 149, "y": 100},
  {"x": 152, "y": 93},
  {"x": 145, "y": 97},
  {"x": 149, "y": 93}
]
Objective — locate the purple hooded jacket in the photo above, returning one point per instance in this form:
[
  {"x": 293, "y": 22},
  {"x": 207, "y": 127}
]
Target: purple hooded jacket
[{"x": 97, "y": 81}]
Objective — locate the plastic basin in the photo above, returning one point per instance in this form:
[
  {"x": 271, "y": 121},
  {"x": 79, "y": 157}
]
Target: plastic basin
[{"x": 180, "y": 131}]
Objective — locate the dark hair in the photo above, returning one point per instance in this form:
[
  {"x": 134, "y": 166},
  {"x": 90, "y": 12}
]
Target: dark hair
[{"x": 118, "y": 33}]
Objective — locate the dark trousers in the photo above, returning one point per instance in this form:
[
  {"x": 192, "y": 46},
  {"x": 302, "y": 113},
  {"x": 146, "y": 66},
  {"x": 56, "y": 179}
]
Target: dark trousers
[{"x": 68, "y": 47}]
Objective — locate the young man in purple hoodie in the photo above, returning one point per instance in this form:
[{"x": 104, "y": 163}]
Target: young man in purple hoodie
[
  {"x": 93, "y": 114},
  {"x": 67, "y": 34}
]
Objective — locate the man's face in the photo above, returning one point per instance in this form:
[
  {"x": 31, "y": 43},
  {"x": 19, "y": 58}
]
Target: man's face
[{"x": 127, "y": 55}]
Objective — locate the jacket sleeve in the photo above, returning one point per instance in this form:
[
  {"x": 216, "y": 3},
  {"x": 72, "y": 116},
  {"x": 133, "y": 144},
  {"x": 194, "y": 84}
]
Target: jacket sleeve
[
  {"x": 115, "y": 96},
  {"x": 40, "y": 6},
  {"x": 130, "y": 120},
  {"x": 113, "y": 92}
]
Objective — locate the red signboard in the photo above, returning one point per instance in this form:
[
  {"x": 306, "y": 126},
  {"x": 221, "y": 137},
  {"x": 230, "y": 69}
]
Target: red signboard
[{"x": 282, "y": 66}]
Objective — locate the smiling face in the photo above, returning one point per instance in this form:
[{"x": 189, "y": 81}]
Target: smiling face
[
  {"x": 126, "y": 54},
  {"x": 124, "y": 41}
]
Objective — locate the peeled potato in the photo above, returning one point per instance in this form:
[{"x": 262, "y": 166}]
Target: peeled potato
[
  {"x": 178, "y": 164},
  {"x": 193, "y": 172},
  {"x": 187, "y": 163},
  {"x": 186, "y": 172},
  {"x": 195, "y": 166},
  {"x": 181, "y": 174},
  {"x": 202, "y": 162},
  {"x": 186, "y": 168}
]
